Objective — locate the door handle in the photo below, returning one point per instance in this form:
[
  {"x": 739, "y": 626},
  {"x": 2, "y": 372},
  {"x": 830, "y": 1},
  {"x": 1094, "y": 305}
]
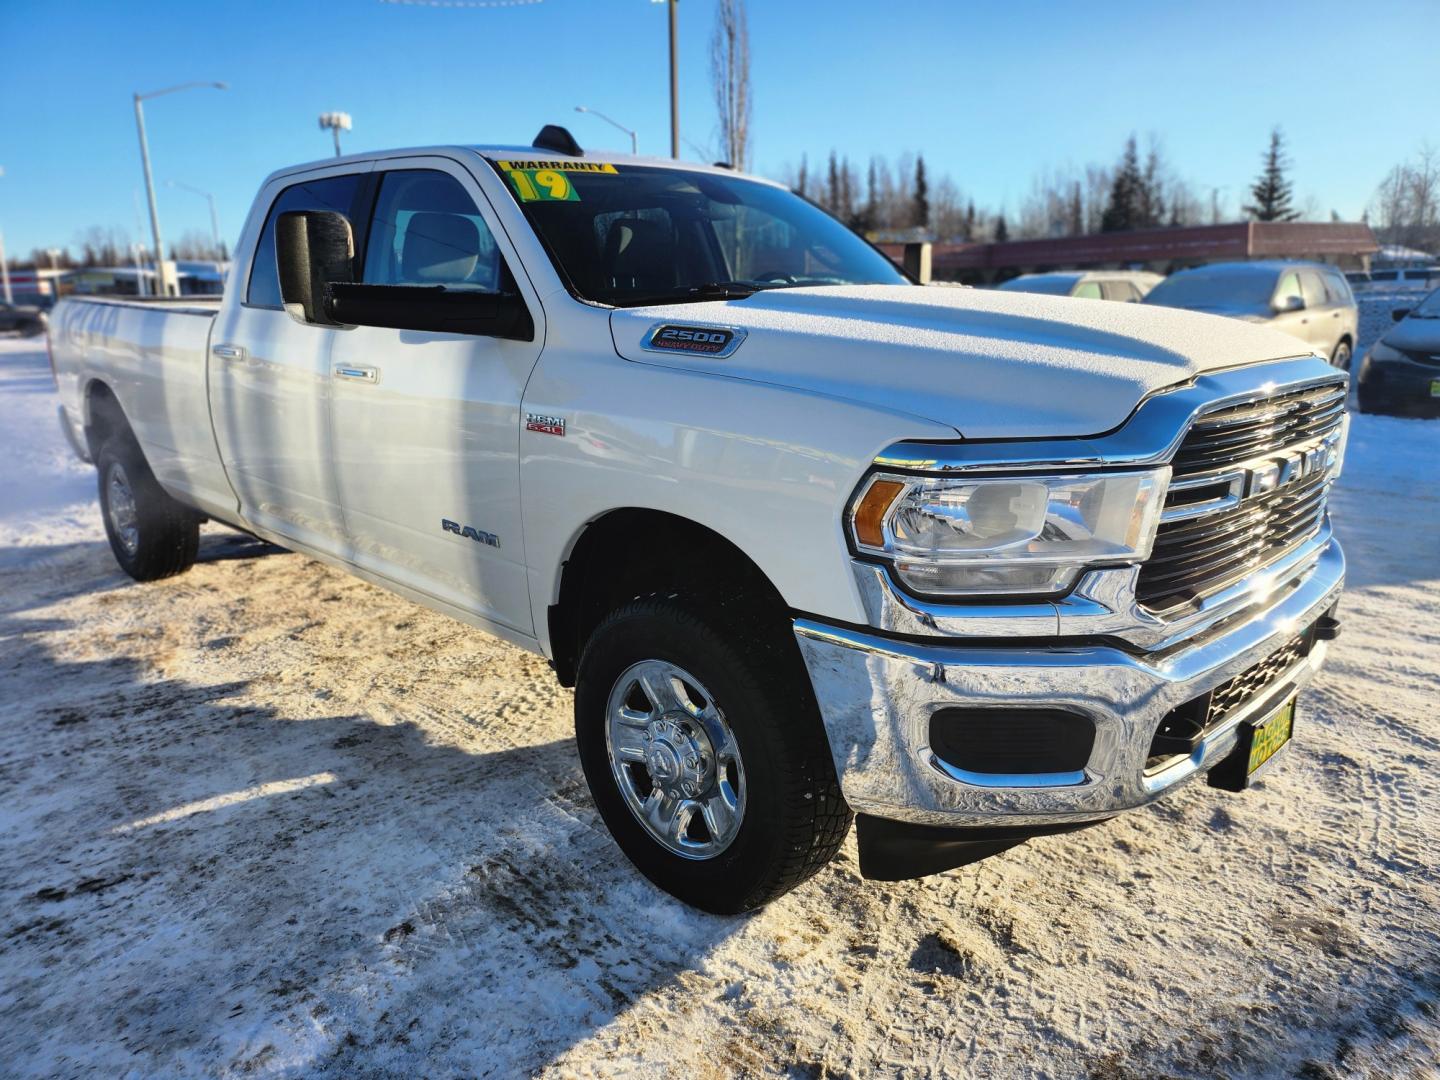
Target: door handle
[
  {"x": 227, "y": 352},
  {"x": 357, "y": 374}
]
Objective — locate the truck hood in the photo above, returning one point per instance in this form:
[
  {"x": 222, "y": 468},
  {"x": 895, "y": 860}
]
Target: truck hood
[{"x": 989, "y": 364}]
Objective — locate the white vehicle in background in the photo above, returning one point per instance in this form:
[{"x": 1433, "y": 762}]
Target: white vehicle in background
[
  {"x": 1127, "y": 286},
  {"x": 807, "y": 539}
]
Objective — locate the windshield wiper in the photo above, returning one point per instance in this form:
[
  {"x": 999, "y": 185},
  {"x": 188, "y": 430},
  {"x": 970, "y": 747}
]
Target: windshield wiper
[{"x": 710, "y": 290}]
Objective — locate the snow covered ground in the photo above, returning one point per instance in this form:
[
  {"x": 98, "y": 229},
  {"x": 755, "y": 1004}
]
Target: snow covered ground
[{"x": 266, "y": 819}]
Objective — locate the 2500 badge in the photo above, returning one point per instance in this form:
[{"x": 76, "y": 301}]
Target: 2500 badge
[{"x": 704, "y": 340}]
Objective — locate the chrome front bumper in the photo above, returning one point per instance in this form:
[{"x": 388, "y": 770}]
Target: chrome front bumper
[{"x": 877, "y": 694}]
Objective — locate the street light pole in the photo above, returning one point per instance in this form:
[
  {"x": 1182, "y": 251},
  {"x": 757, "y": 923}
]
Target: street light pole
[
  {"x": 674, "y": 84},
  {"x": 336, "y": 122},
  {"x": 161, "y": 278},
  {"x": 5, "y": 264},
  {"x": 634, "y": 140},
  {"x": 214, "y": 218}
]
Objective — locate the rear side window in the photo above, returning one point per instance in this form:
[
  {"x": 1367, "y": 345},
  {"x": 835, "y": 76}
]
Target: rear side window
[
  {"x": 331, "y": 193},
  {"x": 1315, "y": 294},
  {"x": 1339, "y": 289},
  {"x": 1122, "y": 291},
  {"x": 1385, "y": 275},
  {"x": 428, "y": 231}
]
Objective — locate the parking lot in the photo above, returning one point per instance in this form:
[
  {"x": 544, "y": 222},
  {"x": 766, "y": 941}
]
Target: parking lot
[{"x": 266, "y": 818}]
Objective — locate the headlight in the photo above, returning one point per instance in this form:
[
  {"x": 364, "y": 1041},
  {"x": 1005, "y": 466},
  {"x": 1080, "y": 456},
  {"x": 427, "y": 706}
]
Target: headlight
[
  {"x": 1026, "y": 534},
  {"x": 1384, "y": 353}
]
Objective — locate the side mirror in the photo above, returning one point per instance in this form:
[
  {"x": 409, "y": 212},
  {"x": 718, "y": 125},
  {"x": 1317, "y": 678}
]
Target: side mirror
[
  {"x": 1399, "y": 313},
  {"x": 313, "y": 249},
  {"x": 1291, "y": 303}
]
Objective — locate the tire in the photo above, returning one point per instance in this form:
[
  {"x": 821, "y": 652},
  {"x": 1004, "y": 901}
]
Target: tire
[
  {"x": 745, "y": 700},
  {"x": 151, "y": 535},
  {"x": 1340, "y": 358}
]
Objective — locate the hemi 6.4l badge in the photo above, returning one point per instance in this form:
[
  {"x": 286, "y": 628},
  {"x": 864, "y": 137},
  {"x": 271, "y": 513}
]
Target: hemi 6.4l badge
[
  {"x": 718, "y": 341},
  {"x": 546, "y": 425}
]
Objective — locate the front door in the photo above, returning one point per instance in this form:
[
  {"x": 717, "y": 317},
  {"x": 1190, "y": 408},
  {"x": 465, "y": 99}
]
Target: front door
[
  {"x": 270, "y": 387},
  {"x": 426, "y": 424}
]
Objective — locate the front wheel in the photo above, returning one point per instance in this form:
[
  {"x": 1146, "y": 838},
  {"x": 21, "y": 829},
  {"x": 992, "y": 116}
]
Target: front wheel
[
  {"x": 704, "y": 751},
  {"x": 1340, "y": 358},
  {"x": 151, "y": 535}
]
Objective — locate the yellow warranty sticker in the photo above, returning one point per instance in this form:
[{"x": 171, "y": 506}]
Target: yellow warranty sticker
[
  {"x": 558, "y": 166},
  {"x": 545, "y": 181}
]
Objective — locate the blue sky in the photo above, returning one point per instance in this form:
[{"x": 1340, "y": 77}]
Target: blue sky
[{"x": 990, "y": 92}]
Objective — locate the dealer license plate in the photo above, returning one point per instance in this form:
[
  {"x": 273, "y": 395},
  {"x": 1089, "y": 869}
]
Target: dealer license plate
[{"x": 1269, "y": 738}]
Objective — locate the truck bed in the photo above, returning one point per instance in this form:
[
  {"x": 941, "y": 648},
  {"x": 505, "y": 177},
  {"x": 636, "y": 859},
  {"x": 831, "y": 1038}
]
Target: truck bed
[{"x": 150, "y": 355}]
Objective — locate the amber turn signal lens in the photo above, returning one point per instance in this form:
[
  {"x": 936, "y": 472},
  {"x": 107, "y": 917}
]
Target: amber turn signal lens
[{"x": 870, "y": 514}]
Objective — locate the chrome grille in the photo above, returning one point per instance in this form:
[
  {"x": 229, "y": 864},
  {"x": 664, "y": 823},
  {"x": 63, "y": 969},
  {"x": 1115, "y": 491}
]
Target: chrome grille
[{"x": 1248, "y": 486}]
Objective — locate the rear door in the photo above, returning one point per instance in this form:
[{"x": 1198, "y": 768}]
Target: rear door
[
  {"x": 427, "y": 424},
  {"x": 270, "y": 383}
]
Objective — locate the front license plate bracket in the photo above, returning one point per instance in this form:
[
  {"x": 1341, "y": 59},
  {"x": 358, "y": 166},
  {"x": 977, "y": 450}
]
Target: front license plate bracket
[{"x": 1258, "y": 745}]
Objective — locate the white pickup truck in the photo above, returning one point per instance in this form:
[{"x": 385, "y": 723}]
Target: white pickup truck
[{"x": 808, "y": 539}]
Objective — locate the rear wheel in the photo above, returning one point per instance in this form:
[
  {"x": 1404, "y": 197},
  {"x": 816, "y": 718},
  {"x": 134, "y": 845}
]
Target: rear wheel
[
  {"x": 151, "y": 535},
  {"x": 705, "y": 754}
]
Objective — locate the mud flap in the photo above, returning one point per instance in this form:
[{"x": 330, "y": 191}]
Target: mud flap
[{"x": 900, "y": 850}]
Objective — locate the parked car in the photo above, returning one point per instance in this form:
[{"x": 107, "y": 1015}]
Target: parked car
[
  {"x": 23, "y": 319},
  {"x": 1401, "y": 372},
  {"x": 1309, "y": 301},
  {"x": 1413, "y": 277},
  {"x": 807, "y": 539},
  {"x": 1128, "y": 286}
]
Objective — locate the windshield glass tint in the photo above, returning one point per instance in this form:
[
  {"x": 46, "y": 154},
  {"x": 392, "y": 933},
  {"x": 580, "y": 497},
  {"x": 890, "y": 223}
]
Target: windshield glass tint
[
  {"x": 626, "y": 235},
  {"x": 1429, "y": 308},
  {"x": 1054, "y": 286},
  {"x": 1214, "y": 289}
]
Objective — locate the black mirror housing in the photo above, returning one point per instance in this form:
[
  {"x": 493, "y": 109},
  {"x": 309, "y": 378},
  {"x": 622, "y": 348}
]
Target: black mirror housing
[
  {"x": 433, "y": 308},
  {"x": 313, "y": 249},
  {"x": 1399, "y": 313}
]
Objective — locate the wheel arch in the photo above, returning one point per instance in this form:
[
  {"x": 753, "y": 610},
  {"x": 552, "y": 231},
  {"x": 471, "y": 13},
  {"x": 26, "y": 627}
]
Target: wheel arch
[
  {"x": 104, "y": 416},
  {"x": 607, "y": 565}
]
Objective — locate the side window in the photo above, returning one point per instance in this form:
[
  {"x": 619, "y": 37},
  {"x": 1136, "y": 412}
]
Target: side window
[
  {"x": 1339, "y": 289},
  {"x": 1087, "y": 290},
  {"x": 332, "y": 193},
  {"x": 426, "y": 230},
  {"x": 1315, "y": 295},
  {"x": 1289, "y": 286},
  {"x": 1122, "y": 291}
]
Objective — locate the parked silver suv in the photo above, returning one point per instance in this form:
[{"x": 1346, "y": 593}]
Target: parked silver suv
[{"x": 1310, "y": 301}]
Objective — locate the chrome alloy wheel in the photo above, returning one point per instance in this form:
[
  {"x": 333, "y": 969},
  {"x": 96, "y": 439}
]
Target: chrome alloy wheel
[
  {"x": 675, "y": 759},
  {"x": 121, "y": 502}
]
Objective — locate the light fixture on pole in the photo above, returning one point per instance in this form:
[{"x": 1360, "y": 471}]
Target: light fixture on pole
[
  {"x": 214, "y": 218},
  {"x": 634, "y": 140},
  {"x": 336, "y": 122},
  {"x": 162, "y": 277}
]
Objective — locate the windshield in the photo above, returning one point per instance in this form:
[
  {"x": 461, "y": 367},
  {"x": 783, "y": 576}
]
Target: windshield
[
  {"x": 1236, "y": 288},
  {"x": 631, "y": 234},
  {"x": 1429, "y": 308}
]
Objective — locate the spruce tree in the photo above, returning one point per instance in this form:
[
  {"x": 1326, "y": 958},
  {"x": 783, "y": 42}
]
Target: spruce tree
[
  {"x": 1123, "y": 210},
  {"x": 1002, "y": 231},
  {"x": 1272, "y": 189},
  {"x": 920, "y": 208}
]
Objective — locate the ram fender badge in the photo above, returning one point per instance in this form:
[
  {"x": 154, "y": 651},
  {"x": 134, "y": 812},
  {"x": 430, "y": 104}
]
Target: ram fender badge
[
  {"x": 480, "y": 536},
  {"x": 717, "y": 341},
  {"x": 546, "y": 425}
]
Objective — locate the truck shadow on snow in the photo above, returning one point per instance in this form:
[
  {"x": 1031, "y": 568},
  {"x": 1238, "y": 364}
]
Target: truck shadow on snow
[{"x": 195, "y": 884}]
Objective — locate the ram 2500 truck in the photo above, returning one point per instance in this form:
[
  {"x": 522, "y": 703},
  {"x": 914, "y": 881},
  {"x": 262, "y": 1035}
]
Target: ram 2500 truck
[{"x": 809, "y": 540}]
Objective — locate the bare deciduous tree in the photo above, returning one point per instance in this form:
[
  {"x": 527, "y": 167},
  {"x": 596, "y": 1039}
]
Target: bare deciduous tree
[{"x": 730, "y": 78}]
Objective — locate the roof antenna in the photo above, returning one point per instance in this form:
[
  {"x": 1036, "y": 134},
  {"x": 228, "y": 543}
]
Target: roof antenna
[{"x": 556, "y": 138}]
